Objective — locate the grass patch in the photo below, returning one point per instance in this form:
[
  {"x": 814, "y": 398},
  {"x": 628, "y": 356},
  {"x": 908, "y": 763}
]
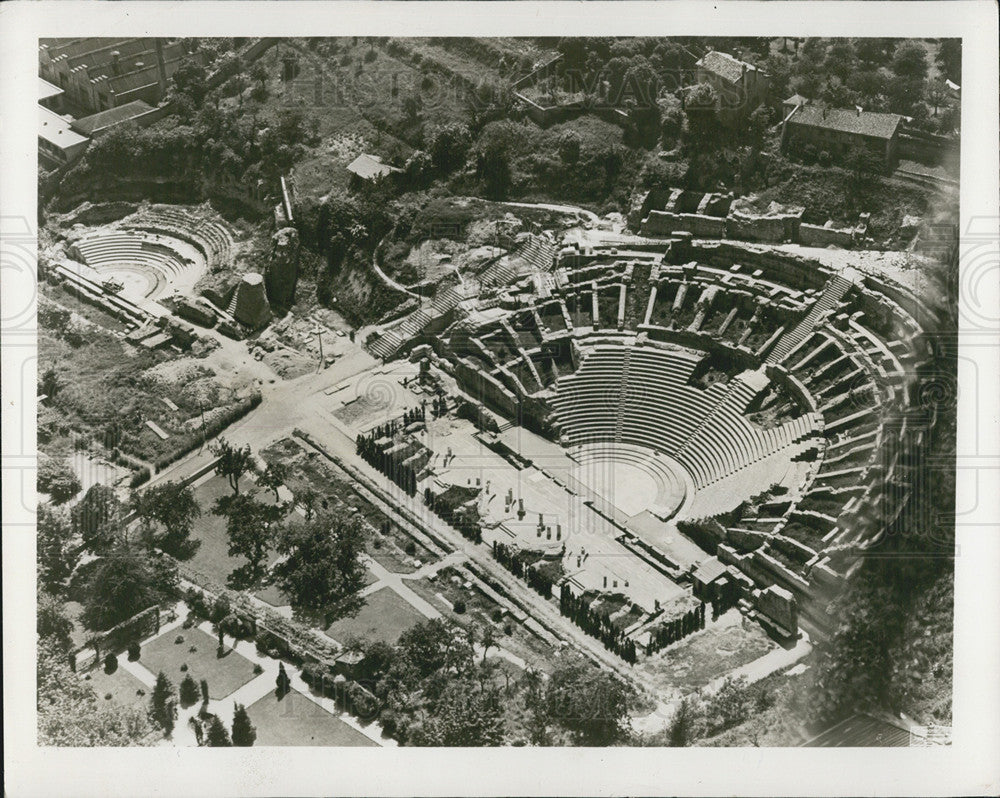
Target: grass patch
[
  {"x": 224, "y": 674},
  {"x": 296, "y": 720},
  {"x": 384, "y": 617}
]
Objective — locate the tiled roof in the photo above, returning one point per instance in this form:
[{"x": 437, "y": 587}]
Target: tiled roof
[
  {"x": 846, "y": 120},
  {"x": 368, "y": 166},
  {"x": 724, "y": 65},
  {"x": 112, "y": 116}
]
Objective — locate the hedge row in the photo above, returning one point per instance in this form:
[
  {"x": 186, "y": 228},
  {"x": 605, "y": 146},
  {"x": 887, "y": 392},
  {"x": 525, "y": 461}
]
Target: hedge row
[{"x": 195, "y": 440}]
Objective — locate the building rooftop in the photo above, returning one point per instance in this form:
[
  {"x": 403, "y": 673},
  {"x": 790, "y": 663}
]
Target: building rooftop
[
  {"x": 862, "y": 730},
  {"x": 725, "y": 65},
  {"x": 710, "y": 570},
  {"x": 56, "y": 129},
  {"x": 848, "y": 120},
  {"x": 368, "y": 166},
  {"x": 89, "y": 125},
  {"x": 47, "y": 90}
]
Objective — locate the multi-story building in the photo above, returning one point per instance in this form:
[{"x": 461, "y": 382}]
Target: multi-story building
[
  {"x": 98, "y": 74},
  {"x": 839, "y": 130},
  {"x": 739, "y": 86}
]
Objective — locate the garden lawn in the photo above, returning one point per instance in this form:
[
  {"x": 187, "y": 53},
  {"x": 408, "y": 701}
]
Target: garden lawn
[
  {"x": 384, "y": 617},
  {"x": 224, "y": 674},
  {"x": 121, "y": 685},
  {"x": 212, "y": 556},
  {"x": 295, "y": 720}
]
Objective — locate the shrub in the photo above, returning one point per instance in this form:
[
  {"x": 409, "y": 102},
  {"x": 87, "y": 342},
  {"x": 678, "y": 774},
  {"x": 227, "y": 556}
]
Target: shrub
[
  {"x": 189, "y": 692},
  {"x": 257, "y": 669},
  {"x": 133, "y": 652},
  {"x": 178, "y": 640},
  {"x": 824, "y": 158},
  {"x": 110, "y": 663},
  {"x": 184, "y": 667},
  {"x": 390, "y": 723},
  {"x": 459, "y": 606},
  {"x": 140, "y": 477},
  {"x": 360, "y": 702},
  {"x": 107, "y": 696},
  {"x": 508, "y": 629},
  {"x": 193, "y": 649},
  {"x": 411, "y": 548},
  {"x": 497, "y": 615}
]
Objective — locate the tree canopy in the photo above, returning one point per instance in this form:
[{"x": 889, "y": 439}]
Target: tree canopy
[{"x": 322, "y": 566}]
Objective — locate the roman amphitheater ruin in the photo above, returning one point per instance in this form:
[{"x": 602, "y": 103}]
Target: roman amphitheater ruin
[{"x": 680, "y": 418}]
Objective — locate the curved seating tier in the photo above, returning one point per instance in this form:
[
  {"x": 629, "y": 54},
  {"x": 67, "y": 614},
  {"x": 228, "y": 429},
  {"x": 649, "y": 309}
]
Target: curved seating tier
[
  {"x": 131, "y": 252},
  {"x": 641, "y": 395},
  {"x": 208, "y": 235}
]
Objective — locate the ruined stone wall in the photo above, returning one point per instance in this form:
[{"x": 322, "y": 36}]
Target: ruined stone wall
[
  {"x": 485, "y": 388},
  {"x": 780, "y": 606},
  {"x": 769, "y": 229},
  {"x": 814, "y": 235},
  {"x": 665, "y": 223},
  {"x": 783, "y": 268}
]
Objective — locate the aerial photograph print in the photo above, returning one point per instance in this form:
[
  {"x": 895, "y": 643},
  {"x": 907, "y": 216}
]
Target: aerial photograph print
[{"x": 577, "y": 391}]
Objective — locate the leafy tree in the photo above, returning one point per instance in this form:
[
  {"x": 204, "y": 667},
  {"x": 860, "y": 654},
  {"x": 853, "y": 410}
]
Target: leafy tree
[
  {"x": 874, "y": 51},
  {"x": 463, "y": 715},
  {"x": 96, "y": 518},
  {"x": 283, "y": 683},
  {"x": 124, "y": 582},
  {"x": 569, "y": 147},
  {"x": 495, "y": 170},
  {"x": 190, "y": 79},
  {"x": 71, "y": 714},
  {"x": 910, "y": 60},
  {"x": 216, "y": 736},
  {"x": 683, "y": 726},
  {"x": 56, "y": 554},
  {"x": 701, "y": 105},
  {"x": 730, "y": 705},
  {"x": 167, "y": 512},
  {"x": 244, "y": 733},
  {"x": 589, "y": 703},
  {"x": 56, "y": 478},
  {"x": 936, "y": 94},
  {"x": 233, "y": 462},
  {"x": 273, "y": 477},
  {"x": 949, "y": 59},
  {"x": 671, "y": 119},
  {"x": 51, "y": 621},
  {"x": 448, "y": 146},
  {"x": 431, "y": 646},
  {"x": 189, "y": 693},
  {"x": 864, "y": 166},
  {"x": 322, "y": 565},
  {"x": 249, "y": 527},
  {"x": 161, "y": 703},
  {"x": 841, "y": 59}
]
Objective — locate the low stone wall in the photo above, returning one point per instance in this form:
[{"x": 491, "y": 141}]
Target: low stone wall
[
  {"x": 814, "y": 235},
  {"x": 665, "y": 223},
  {"x": 769, "y": 229}
]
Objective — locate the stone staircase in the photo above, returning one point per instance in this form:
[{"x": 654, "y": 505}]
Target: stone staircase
[{"x": 834, "y": 291}]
